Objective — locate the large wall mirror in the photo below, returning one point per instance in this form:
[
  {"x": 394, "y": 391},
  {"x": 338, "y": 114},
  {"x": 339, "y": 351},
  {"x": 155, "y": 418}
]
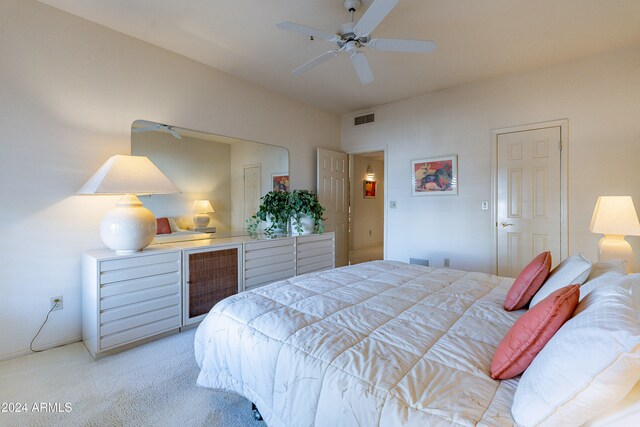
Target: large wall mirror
[{"x": 230, "y": 173}]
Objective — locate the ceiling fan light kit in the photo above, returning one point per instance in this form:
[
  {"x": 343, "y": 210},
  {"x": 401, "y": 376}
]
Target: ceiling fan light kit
[{"x": 354, "y": 36}]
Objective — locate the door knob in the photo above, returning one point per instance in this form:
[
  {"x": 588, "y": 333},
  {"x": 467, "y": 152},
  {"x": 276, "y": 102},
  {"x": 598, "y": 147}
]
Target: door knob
[{"x": 505, "y": 225}]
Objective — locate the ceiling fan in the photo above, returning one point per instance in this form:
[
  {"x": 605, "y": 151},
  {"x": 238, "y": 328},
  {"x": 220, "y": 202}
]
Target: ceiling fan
[
  {"x": 155, "y": 127},
  {"x": 354, "y": 36}
]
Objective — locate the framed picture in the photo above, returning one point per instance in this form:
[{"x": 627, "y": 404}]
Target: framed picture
[
  {"x": 369, "y": 189},
  {"x": 280, "y": 182},
  {"x": 436, "y": 176}
]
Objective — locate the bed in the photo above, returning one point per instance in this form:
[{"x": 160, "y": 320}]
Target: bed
[{"x": 380, "y": 343}]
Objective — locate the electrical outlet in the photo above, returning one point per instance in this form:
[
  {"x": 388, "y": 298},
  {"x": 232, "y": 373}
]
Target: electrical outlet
[
  {"x": 447, "y": 262},
  {"x": 56, "y": 303}
]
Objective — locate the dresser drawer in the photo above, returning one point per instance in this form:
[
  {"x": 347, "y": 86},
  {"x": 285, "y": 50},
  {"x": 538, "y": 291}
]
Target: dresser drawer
[
  {"x": 118, "y": 288},
  {"x": 131, "y": 273},
  {"x": 141, "y": 319},
  {"x": 139, "y": 308},
  {"x": 134, "y": 334},
  {"x": 269, "y": 274},
  {"x": 139, "y": 261},
  {"x": 316, "y": 263},
  {"x": 138, "y": 296}
]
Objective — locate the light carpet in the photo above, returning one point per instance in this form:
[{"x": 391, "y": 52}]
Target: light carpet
[{"x": 151, "y": 385}]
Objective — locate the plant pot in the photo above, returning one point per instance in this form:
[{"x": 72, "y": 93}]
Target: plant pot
[{"x": 307, "y": 225}]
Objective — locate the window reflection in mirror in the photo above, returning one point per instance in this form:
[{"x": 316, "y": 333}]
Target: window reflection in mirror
[{"x": 231, "y": 173}]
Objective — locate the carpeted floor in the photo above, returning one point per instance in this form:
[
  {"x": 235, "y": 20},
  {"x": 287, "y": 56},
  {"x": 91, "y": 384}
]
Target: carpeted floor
[{"x": 151, "y": 385}]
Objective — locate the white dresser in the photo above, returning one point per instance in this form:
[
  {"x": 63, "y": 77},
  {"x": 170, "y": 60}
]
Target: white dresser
[{"x": 128, "y": 298}]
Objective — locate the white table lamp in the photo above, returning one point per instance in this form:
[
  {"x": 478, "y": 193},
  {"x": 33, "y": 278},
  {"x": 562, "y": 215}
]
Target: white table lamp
[
  {"x": 202, "y": 209},
  {"x": 615, "y": 217},
  {"x": 129, "y": 227}
]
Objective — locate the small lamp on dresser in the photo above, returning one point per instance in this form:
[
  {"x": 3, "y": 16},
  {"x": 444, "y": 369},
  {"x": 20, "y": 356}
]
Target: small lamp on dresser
[
  {"x": 615, "y": 217},
  {"x": 202, "y": 209},
  {"x": 129, "y": 227}
]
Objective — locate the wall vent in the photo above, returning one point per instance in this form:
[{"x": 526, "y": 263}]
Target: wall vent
[
  {"x": 364, "y": 119},
  {"x": 419, "y": 261}
]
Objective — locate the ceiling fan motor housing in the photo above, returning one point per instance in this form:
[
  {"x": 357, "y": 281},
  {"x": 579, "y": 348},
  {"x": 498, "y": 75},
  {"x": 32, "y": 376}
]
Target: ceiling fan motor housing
[
  {"x": 347, "y": 35},
  {"x": 352, "y": 5}
]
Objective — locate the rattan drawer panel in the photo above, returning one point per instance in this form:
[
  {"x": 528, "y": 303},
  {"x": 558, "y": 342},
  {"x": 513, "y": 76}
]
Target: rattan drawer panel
[
  {"x": 212, "y": 276},
  {"x": 139, "y": 284},
  {"x": 138, "y": 272},
  {"x": 134, "y": 297},
  {"x": 139, "y": 261},
  {"x": 139, "y": 308},
  {"x": 134, "y": 334}
]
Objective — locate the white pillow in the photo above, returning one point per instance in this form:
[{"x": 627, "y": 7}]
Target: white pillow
[
  {"x": 602, "y": 273},
  {"x": 173, "y": 225},
  {"x": 588, "y": 366},
  {"x": 610, "y": 266},
  {"x": 572, "y": 271}
]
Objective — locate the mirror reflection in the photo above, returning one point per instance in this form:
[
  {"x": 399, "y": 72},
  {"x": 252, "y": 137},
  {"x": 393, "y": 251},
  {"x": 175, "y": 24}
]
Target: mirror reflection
[{"x": 229, "y": 173}]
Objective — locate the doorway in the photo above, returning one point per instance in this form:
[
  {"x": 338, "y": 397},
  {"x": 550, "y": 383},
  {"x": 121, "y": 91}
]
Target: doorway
[
  {"x": 366, "y": 207},
  {"x": 355, "y": 202},
  {"x": 529, "y": 186}
]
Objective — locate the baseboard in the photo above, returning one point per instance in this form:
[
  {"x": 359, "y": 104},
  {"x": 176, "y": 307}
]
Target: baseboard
[{"x": 48, "y": 346}]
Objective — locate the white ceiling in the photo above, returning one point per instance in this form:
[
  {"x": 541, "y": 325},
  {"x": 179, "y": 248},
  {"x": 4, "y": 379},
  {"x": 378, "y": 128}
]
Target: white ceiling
[{"x": 477, "y": 39}]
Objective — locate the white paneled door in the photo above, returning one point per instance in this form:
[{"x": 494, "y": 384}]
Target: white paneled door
[
  {"x": 333, "y": 193},
  {"x": 528, "y": 197},
  {"x": 252, "y": 190}
]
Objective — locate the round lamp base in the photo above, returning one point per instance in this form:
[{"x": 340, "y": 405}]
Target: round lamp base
[
  {"x": 129, "y": 227},
  {"x": 201, "y": 219}
]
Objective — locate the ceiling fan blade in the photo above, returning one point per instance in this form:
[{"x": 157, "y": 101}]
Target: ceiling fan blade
[
  {"x": 361, "y": 65},
  {"x": 147, "y": 128},
  {"x": 173, "y": 132},
  {"x": 316, "y": 61},
  {"x": 378, "y": 10},
  {"x": 309, "y": 31},
  {"x": 400, "y": 45}
]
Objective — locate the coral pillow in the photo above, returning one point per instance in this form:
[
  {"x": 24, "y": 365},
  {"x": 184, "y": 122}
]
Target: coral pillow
[
  {"x": 528, "y": 282},
  {"x": 532, "y": 331},
  {"x": 162, "y": 226}
]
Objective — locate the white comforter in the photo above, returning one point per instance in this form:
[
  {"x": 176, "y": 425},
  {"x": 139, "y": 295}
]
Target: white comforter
[{"x": 382, "y": 343}]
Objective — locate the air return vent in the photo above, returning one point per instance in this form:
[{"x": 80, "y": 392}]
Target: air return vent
[{"x": 364, "y": 119}]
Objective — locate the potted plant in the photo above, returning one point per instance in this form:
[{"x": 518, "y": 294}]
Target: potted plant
[
  {"x": 281, "y": 208},
  {"x": 305, "y": 203},
  {"x": 275, "y": 208}
]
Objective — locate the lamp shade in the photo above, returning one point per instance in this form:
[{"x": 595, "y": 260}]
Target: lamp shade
[
  {"x": 202, "y": 206},
  {"x": 129, "y": 227},
  {"x": 129, "y": 174},
  {"x": 615, "y": 215},
  {"x": 370, "y": 175}
]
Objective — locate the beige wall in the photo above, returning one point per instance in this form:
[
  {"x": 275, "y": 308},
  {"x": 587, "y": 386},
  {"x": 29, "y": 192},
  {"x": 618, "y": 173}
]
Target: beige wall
[
  {"x": 598, "y": 95},
  {"x": 69, "y": 94}
]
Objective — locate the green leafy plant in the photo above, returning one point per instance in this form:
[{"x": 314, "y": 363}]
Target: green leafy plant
[
  {"x": 305, "y": 202},
  {"x": 280, "y": 206}
]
